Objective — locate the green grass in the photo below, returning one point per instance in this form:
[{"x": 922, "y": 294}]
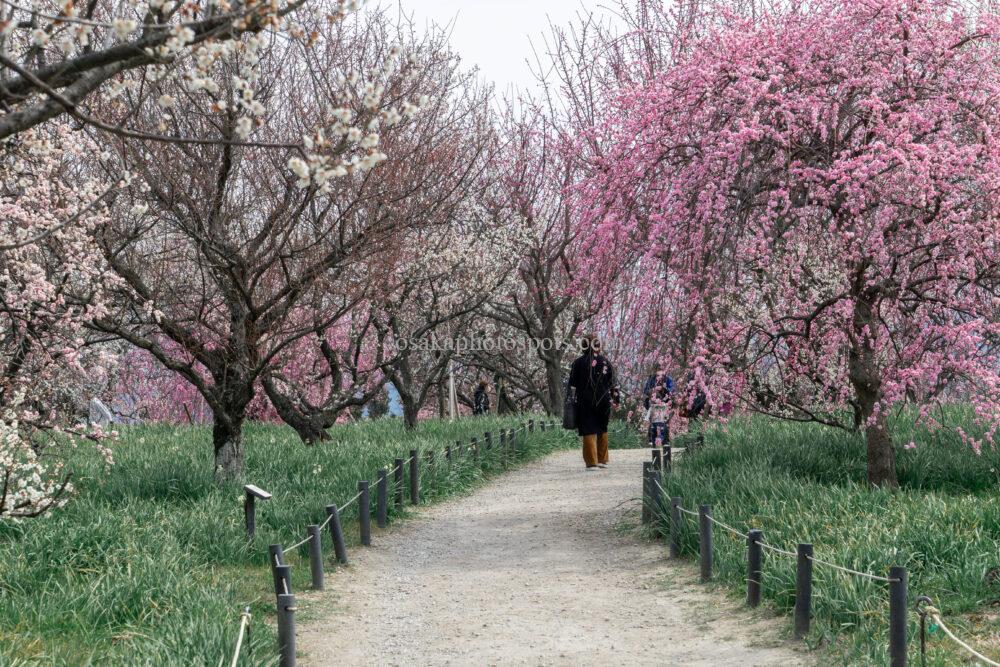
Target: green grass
[
  {"x": 149, "y": 564},
  {"x": 805, "y": 483}
]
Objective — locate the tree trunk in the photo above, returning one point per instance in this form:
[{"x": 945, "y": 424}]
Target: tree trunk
[
  {"x": 442, "y": 390},
  {"x": 867, "y": 383},
  {"x": 410, "y": 410},
  {"x": 554, "y": 386},
  {"x": 881, "y": 456},
  {"x": 310, "y": 430},
  {"x": 227, "y": 438},
  {"x": 505, "y": 406},
  {"x": 310, "y": 427}
]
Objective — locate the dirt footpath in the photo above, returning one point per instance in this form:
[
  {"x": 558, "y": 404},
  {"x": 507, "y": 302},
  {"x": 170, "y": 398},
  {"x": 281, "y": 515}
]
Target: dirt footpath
[{"x": 538, "y": 568}]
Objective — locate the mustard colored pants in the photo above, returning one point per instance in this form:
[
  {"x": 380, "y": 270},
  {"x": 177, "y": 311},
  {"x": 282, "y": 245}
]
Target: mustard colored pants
[{"x": 595, "y": 449}]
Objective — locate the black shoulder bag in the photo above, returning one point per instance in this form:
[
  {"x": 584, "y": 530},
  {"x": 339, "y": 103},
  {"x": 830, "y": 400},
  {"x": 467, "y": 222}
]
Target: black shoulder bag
[{"x": 569, "y": 409}]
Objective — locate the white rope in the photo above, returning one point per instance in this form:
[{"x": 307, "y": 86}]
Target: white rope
[
  {"x": 848, "y": 570},
  {"x": 327, "y": 522},
  {"x": 687, "y": 511},
  {"x": 727, "y": 527},
  {"x": 244, "y": 620},
  {"x": 284, "y": 584},
  {"x": 299, "y": 543},
  {"x": 348, "y": 503},
  {"x": 936, "y": 615},
  {"x": 767, "y": 546}
]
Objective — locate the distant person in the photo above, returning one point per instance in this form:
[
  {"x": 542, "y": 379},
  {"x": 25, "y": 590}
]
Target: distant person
[
  {"x": 657, "y": 395},
  {"x": 593, "y": 379},
  {"x": 694, "y": 412},
  {"x": 481, "y": 399}
]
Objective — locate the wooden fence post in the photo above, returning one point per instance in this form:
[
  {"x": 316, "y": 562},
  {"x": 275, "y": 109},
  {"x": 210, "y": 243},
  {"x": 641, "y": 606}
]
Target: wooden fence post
[
  {"x": 705, "y": 534},
  {"x": 365, "y": 512},
  {"x": 754, "y": 560},
  {"x": 337, "y": 533},
  {"x": 803, "y": 589}
]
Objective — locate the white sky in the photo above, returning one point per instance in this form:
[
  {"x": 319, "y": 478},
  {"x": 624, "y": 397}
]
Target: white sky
[{"x": 495, "y": 34}]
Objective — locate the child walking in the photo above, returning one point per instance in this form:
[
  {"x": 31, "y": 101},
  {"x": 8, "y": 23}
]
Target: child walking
[{"x": 657, "y": 397}]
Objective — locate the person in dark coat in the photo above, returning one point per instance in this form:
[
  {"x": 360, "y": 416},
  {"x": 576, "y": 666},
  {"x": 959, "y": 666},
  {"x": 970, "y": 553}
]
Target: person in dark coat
[
  {"x": 481, "y": 400},
  {"x": 593, "y": 380}
]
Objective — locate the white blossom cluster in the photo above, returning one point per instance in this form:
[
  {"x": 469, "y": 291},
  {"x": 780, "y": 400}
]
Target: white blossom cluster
[
  {"x": 31, "y": 487},
  {"x": 355, "y": 134}
]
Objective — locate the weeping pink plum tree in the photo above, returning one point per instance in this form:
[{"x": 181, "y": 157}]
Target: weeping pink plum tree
[{"x": 822, "y": 181}]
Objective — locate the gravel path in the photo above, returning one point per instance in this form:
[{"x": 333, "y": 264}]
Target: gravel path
[{"x": 534, "y": 569}]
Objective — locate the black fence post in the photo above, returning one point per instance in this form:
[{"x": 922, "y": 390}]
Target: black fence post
[
  {"x": 414, "y": 477},
  {"x": 667, "y": 458},
  {"x": 474, "y": 446},
  {"x": 657, "y": 504},
  {"x": 382, "y": 499},
  {"x": 488, "y": 442},
  {"x": 337, "y": 533},
  {"x": 276, "y": 554},
  {"x": 897, "y": 617},
  {"x": 250, "y": 507},
  {"x": 286, "y": 630},
  {"x": 803, "y": 590},
  {"x": 398, "y": 483},
  {"x": 250, "y": 515},
  {"x": 646, "y": 513},
  {"x": 675, "y": 526},
  {"x": 705, "y": 535},
  {"x": 447, "y": 453},
  {"x": 503, "y": 448},
  {"x": 315, "y": 556},
  {"x": 276, "y": 558},
  {"x": 531, "y": 426},
  {"x": 542, "y": 425},
  {"x": 365, "y": 512},
  {"x": 754, "y": 558},
  {"x": 282, "y": 580}
]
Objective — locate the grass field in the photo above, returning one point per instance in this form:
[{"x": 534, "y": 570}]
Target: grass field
[
  {"x": 805, "y": 483},
  {"x": 149, "y": 564}
]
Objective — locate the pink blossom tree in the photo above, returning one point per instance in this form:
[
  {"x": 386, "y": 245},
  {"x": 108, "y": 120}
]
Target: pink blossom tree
[{"x": 820, "y": 181}]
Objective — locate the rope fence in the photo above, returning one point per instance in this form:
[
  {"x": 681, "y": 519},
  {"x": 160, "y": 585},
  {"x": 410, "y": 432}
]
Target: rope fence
[
  {"x": 660, "y": 508},
  {"x": 856, "y": 573},
  {"x": 389, "y": 489},
  {"x": 777, "y": 550},
  {"x": 726, "y": 527},
  {"x": 245, "y": 619},
  {"x": 924, "y": 609},
  {"x": 300, "y": 543}
]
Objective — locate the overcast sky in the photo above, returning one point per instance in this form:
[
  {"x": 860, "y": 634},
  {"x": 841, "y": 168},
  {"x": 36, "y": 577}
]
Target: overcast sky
[{"x": 495, "y": 34}]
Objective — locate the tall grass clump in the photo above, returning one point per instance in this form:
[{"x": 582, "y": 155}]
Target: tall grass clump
[
  {"x": 805, "y": 483},
  {"x": 149, "y": 564}
]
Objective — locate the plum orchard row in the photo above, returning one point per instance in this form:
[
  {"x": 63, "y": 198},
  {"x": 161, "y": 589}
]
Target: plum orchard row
[
  {"x": 503, "y": 452},
  {"x": 666, "y": 519}
]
